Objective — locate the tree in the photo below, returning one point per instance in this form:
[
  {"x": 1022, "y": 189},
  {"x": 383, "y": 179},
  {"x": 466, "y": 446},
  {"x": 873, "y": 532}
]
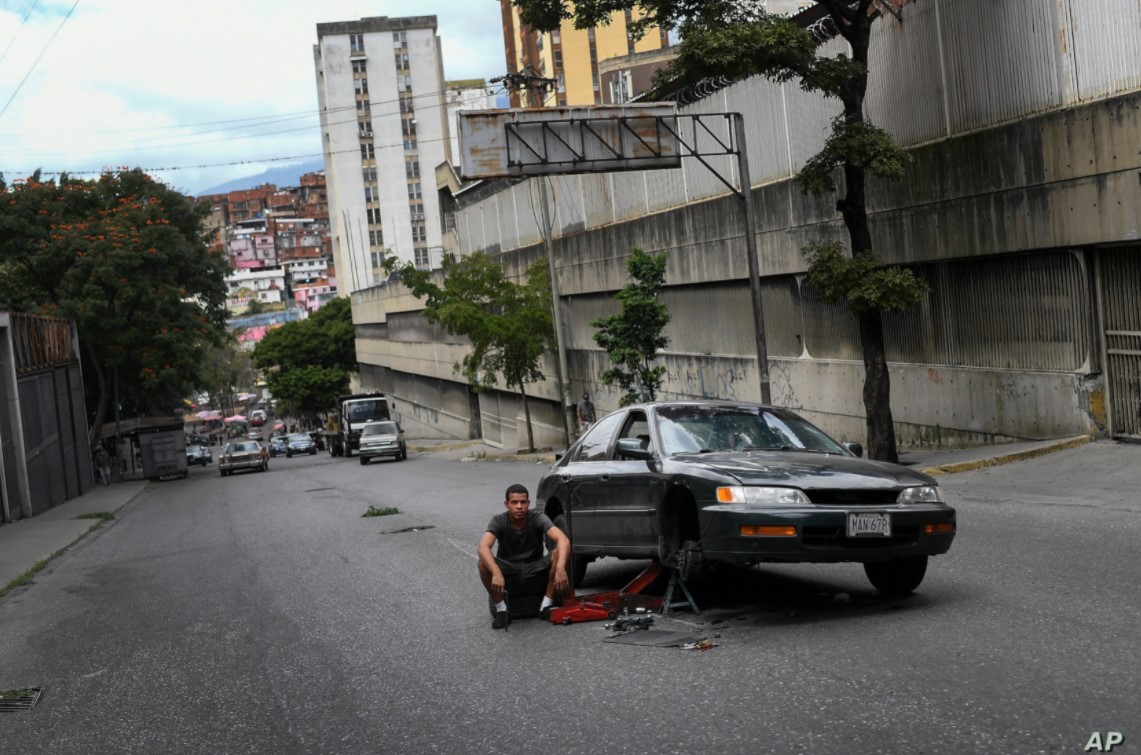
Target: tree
[
  {"x": 509, "y": 325},
  {"x": 736, "y": 39},
  {"x": 125, "y": 257},
  {"x": 255, "y": 307},
  {"x": 307, "y": 363},
  {"x": 633, "y": 337}
]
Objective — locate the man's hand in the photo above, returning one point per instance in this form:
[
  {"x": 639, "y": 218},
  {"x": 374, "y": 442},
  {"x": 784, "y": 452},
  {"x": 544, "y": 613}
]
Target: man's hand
[
  {"x": 497, "y": 582},
  {"x": 562, "y": 582}
]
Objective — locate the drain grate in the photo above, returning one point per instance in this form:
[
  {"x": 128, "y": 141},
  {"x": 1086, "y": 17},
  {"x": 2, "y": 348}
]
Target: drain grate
[
  {"x": 409, "y": 529},
  {"x": 16, "y": 700}
]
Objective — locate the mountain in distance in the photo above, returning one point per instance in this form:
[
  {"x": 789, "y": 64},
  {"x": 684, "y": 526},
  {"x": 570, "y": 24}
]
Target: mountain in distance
[{"x": 285, "y": 176}]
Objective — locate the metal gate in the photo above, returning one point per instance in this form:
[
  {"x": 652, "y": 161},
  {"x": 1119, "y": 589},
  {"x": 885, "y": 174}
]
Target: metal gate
[{"x": 1120, "y": 283}]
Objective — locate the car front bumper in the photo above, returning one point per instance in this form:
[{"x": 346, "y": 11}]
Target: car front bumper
[
  {"x": 821, "y": 534},
  {"x": 380, "y": 451},
  {"x": 236, "y": 465}
]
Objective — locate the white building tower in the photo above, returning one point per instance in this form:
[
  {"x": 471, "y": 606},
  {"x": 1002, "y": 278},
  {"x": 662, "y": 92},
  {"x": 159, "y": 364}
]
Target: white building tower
[{"x": 384, "y": 129}]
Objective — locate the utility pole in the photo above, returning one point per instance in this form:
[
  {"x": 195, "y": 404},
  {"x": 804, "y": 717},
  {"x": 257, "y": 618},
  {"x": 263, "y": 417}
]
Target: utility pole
[{"x": 537, "y": 86}]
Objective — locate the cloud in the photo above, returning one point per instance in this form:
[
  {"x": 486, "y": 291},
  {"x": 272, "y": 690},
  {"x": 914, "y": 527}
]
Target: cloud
[{"x": 160, "y": 84}]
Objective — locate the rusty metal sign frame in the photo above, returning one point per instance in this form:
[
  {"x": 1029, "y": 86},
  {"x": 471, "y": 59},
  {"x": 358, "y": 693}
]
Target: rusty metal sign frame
[{"x": 733, "y": 145}]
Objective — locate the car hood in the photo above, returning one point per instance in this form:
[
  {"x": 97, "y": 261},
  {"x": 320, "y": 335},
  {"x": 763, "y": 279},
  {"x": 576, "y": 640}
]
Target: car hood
[{"x": 809, "y": 470}]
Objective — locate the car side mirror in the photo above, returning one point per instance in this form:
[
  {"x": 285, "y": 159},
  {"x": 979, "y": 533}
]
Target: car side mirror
[
  {"x": 632, "y": 448},
  {"x": 854, "y": 448}
]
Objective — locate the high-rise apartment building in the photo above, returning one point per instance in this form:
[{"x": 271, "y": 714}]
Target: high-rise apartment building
[
  {"x": 569, "y": 56},
  {"x": 380, "y": 87}
]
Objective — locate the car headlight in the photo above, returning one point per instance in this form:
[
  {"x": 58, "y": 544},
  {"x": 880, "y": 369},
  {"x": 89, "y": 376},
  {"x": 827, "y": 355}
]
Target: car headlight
[
  {"x": 921, "y": 494},
  {"x": 762, "y": 496}
]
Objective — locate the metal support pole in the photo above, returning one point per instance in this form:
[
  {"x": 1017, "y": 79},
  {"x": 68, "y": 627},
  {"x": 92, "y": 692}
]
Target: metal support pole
[
  {"x": 561, "y": 365},
  {"x": 118, "y": 429},
  {"x": 751, "y": 254}
]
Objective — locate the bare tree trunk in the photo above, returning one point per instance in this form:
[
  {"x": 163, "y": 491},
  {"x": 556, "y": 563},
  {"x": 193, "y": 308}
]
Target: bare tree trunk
[
  {"x": 855, "y": 25},
  {"x": 527, "y": 414}
]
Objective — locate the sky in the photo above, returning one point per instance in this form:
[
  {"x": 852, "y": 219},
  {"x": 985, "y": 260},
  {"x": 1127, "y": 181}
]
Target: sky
[{"x": 196, "y": 93}]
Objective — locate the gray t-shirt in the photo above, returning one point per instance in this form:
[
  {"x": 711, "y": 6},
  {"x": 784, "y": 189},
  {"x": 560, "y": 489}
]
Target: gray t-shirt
[{"x": 519, "y": 546}]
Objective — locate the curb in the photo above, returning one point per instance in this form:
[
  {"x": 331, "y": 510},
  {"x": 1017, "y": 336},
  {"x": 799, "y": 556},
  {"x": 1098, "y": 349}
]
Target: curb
[{"x": 994, "y": 461}]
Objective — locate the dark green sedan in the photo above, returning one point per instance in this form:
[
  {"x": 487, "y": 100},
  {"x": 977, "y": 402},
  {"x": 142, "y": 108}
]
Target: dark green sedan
[{"x": 692, "y": 482}]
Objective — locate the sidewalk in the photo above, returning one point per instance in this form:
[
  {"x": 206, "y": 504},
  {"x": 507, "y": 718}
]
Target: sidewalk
[{"x": 26, "y": 543}]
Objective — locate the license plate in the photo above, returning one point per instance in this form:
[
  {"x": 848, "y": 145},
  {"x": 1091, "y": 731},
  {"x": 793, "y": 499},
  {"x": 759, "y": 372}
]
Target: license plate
[{"x": 869, "y": 525}]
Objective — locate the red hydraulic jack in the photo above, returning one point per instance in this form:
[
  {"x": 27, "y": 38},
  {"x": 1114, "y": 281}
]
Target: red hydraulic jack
[{"x": 609, "y": 605}]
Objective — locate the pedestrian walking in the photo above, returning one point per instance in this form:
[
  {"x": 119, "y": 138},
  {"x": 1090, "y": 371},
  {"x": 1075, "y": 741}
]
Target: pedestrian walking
[
  {"x": 103, "y": 464},
  {"x": 585, "y": 412}
]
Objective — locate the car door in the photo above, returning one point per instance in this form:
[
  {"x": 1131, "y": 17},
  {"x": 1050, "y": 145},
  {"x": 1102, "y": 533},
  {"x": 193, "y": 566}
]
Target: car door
[
  {"x": 581, "y": 478},
  {"x": 633, "y": 492}
]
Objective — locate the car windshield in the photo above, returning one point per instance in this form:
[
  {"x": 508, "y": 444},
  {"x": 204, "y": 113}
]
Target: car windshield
[
  {"x": 362, "y": 410},
  {"x": 380, "y": 428},
  {"x": 696, "y": 429},
  {"x": 296, "y": 437},
  {"x": 235, "y": 448}
]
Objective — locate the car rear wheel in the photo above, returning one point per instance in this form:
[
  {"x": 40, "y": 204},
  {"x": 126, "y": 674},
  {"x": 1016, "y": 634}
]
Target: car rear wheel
[
  {"x": 364, "y": 462},
  {"x": 899, "y": 577}
]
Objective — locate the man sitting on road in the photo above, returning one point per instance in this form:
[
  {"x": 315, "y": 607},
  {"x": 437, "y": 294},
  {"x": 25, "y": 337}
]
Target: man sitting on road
[{"x": 519, "y": 567}]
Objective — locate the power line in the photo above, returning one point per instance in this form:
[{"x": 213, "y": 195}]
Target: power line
[
  {"x": 264, "y": 120},
  {"x": 37, "y": 60},
  {"x": 12, "y": 41}
]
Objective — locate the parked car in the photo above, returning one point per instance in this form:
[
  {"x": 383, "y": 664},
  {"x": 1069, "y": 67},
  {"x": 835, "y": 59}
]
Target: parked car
[
  {"x": 694, "y": 482},
  {"x": 277, "y": 446},
  {"x": 243, "y": 454},
  {"x": 256, "y": 435},
  {"x": 300, "y": 443},
  {"x": 198, "y": 454},
  {"x": 381, "y": 439}
]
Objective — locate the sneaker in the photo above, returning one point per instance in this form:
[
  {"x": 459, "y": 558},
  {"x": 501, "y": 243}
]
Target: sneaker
[{"x": 501, "y": 620}]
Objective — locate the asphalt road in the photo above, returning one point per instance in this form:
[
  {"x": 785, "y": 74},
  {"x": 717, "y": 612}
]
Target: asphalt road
[{"x": 262, "y": 613}]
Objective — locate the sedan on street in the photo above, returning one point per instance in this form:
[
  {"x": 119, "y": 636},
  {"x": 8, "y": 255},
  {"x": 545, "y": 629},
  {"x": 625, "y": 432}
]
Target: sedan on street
[
  {"x": 199, "y": 455},
  {"x": 300, "y": 443},
  {"x": 699, "y": 482},
  {"x": 380, "y": 439},
  {"x": 277, "y": 446},
  {"x": 243, "y": 454}
]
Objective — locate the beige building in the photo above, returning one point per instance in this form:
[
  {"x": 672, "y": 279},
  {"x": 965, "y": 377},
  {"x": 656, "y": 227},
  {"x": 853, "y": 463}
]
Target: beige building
[{"x": 569, "y": 56}]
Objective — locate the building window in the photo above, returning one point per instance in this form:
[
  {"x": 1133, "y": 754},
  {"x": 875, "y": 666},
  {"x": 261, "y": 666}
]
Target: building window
[
  {"x": 422, "y": 258},
  {"x": 412, "y": 168},
  {"x": 364, "y": 129},
  {"x": 368, "y": 194},
  {"x": 406, "y": 105},
  {"x": 402, "y": 60},
  {"x": 408, "y": 126},
  {"x": 369, "y": 175},
  {"x": 558, "y": 58},
  {"x": 376, "y": 238},
  {"x": 556, "y": 37},
  {"x": 373, "y": 216},
  {"x": 419, "y": 232},
  {"x": 360, "y": 86},
  {"x": 363, "y": 106},
  {"x": 367, "y": 152},
  {"x": 358, "y": 66},
  {"x": 404, "y": 83},
  {"x": 356, "y": 42},
  {"x": 414, "y": 190},
  {"x": 409, "y": 144},
  {"x": 399, "y": 39}
]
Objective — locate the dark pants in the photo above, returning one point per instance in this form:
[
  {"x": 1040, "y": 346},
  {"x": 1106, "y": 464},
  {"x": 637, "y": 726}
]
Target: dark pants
[{"x": 527, "y": 578}]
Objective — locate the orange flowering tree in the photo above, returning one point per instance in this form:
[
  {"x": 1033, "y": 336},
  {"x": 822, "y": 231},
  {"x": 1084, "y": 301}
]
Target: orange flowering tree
[{"x": 125, "y": 257}]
